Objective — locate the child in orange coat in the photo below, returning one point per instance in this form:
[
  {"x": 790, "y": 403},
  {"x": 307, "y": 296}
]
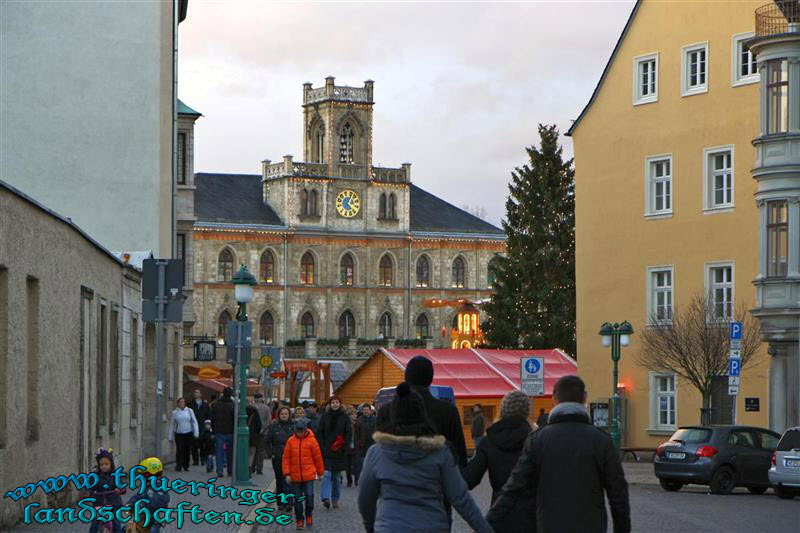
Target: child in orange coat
[{"x": 302, "y": 465}]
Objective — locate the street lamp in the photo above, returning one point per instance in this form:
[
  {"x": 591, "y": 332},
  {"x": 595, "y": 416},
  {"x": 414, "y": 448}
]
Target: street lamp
[
  {"x": 243, "y": 282},
  {"x": 616, "y": 335}
]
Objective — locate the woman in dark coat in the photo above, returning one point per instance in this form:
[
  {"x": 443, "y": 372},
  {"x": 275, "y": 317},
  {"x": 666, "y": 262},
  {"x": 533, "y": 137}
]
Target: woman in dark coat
[
  {"x": 498, "y": 452},
  {"x": 254, "y": 426},
  {"x": 334, "y": 433},
  {"x": 275, "y": 441}
]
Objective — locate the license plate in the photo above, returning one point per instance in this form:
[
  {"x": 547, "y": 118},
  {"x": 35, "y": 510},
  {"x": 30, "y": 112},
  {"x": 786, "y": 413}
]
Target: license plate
[
  {"x": 676, "y": 455},
  {"x": 792, "y": 463}
]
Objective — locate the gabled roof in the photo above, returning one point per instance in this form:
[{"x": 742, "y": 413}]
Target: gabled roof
[
  {"x": 430, "y": 213},
  {"x": 606, "y": 69},
  {"x": 184, "y": 109},
  {"x": 234, "y": 198}
]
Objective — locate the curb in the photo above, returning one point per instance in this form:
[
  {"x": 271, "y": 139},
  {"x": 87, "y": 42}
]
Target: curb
[{"x": 251, "y": 516}]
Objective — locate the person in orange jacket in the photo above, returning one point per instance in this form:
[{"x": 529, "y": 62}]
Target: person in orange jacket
[{"x": 302, "y": 465}]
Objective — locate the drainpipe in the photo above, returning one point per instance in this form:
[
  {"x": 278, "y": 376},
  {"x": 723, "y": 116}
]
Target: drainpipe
[{"x": 175, "y": 16}]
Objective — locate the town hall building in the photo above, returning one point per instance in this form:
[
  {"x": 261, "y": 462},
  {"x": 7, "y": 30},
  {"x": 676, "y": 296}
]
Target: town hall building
[{"x": 340, "y": 248}]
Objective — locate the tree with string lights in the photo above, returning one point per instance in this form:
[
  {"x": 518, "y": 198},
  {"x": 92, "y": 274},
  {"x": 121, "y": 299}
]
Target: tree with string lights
[{"x": 533, "y": 305}]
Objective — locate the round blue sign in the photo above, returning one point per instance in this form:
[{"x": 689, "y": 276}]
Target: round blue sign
[{"x": 532, "y": 366}]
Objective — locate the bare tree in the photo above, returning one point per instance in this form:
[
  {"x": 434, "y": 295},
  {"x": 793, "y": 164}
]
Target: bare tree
[{"x": 695, "y": 344}]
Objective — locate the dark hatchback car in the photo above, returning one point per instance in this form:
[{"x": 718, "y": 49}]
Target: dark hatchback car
[{"x": 722, "y": 457}]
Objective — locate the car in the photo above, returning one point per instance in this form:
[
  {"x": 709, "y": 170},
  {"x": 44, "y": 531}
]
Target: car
[
  {"x": 722, "y": 457},
  {"x": 784, "y": 475},
  {"x": 386, "y": 394}
]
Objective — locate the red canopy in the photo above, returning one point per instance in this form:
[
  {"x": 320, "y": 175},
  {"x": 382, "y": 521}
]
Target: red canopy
[{"x": 482, "y": 373}]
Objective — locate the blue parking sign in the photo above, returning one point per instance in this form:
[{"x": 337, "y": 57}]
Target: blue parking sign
[
  {"x": 734, "y": 366},
  {"x": 736, "y": 330}
]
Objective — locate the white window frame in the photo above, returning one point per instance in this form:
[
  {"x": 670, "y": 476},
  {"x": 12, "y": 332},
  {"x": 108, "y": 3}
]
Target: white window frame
[
  {"x": 686, "y": 89},
  {"x": 650, "y": 186},
  {"x": 655, "y": 395},
  {"x": 708, "y": 179},
  {"x": 638, "y": 99},
  {"x": 737, "y": 80},
  {"x": 710, "y": 286},
  {"x": 651, "y": 294}
]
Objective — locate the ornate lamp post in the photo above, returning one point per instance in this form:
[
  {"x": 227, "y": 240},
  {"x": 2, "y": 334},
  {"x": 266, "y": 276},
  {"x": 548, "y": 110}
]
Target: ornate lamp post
[
  {"x": 616, "y": 335},
  {"x": 243, "y": 282}
]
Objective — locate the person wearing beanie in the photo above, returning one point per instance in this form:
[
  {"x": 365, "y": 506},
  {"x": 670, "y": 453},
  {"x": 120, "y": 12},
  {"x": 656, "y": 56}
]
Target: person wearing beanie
[
  {"x": 223, "y": 424},
  {"x": 443, "y": 416},
  {"x": 301, "y": 465},
  {"x": 498, "y": 453},
  {"x": 409, "y": 474}
]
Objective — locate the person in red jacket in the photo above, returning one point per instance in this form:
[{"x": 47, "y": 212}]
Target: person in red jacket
[{"x": 302, "y": 465}]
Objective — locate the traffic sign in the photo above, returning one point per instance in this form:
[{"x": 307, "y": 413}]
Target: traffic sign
[
  {"x": 735, "y": 353},
  {"x": 231, "y": 336},
  {"x": 736, "y": 344},
  {"x": 265, "y": 361},
  {"x": 734, "y": 366},
  {"x": 733, "y": 380},
  {"x": 531, "y": 374},
  {"x": 733, "y": 390},
  {"x": 736, "y": 330}
]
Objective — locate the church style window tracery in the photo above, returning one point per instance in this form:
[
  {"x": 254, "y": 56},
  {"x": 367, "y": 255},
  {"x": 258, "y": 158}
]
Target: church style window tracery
[
  {"x": 385, "y": 271},
  {"x": 347, "y": 270},
  {"x": 346, "y": 144},
  {"x": 347, "y": 325}
]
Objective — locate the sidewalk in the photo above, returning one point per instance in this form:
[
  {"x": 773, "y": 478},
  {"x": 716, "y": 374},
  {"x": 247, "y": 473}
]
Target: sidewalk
[{"x": 206, "y": 503}]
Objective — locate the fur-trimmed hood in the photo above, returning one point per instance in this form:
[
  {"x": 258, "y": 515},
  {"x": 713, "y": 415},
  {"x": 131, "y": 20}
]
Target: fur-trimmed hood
[{"x": 406, "y": 449}]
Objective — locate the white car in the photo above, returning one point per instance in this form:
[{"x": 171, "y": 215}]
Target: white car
[{"x": 784, "y": 475}]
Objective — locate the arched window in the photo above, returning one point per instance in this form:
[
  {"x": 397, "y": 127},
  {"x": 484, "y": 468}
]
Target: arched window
[
  {"x": 346, "y": 144},
  {"x": 307, "y": 325},
  {"x": 312, "y": 203},
  {"x": 320, "y": 152},
  {"x": 491, "y": 271},
  {"x": 347, "y": 325},
  {"x": 304, "y": 203},
  {"x": 385, "y": 325},
  {"x": 423, "y": 329},
  {"x": 266, "y": 328},
  {"x": 267, "y": 267},
  {"x": 307, "y": 269},
  {"x": 347, "y": 270},
  {"x": 391, "y": 213},
  {"x": 382, "y": 207},
  {"x": 459, "y": 272},
  {"x": 225, "y": 265},
  {"x": 222, "y": 326},
  {"x": 423, "y": 271},
  {"x": 454, "y": 324},
  {"x": 385, "y": 271}
]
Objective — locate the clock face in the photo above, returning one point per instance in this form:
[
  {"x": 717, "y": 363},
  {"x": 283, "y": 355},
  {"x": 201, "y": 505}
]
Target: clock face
[{"x": 348, "y": 203}]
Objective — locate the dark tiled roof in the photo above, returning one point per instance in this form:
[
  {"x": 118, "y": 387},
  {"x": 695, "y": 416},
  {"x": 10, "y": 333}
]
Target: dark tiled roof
[
  {"x": 431, "y": 213},
  {"x": 184, "y": 109},
  {"x": 234, "y": 198}
]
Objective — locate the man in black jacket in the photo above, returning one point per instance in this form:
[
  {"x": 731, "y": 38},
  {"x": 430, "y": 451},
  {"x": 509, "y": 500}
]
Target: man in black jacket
[
  {"x": 223, "y": 425},
  {"x": 570, "y": 464}
]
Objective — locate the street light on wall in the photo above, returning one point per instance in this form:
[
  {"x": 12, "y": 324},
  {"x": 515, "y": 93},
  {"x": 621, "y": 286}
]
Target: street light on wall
[{"x": 616, "y": 335}]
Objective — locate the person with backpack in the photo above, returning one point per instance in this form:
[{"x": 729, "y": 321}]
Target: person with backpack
[{"x": 334, "y": 433}]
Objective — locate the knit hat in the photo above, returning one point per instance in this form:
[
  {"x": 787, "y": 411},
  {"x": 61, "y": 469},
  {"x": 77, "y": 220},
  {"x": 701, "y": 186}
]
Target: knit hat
[
  {"x": 515, "y": 403},
  {"x": 419, "y": 371},
  {"x": 407, "y": 408},
  {"x": 300, "y": 424}
]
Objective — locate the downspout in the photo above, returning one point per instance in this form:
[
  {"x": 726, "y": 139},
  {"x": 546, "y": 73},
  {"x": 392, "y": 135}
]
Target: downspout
[
  {"x": 285, "y": 290},
  {"x": 175, "y": 15}
]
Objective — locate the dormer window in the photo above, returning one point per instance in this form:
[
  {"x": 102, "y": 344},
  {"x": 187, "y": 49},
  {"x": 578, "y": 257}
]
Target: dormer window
[{"x": 346, "y": 144}]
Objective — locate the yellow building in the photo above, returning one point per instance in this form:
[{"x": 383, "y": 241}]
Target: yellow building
[{"x": 665, "y": 206}]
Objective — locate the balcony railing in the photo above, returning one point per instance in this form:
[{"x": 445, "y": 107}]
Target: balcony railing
[
  {"x": 340, "y": 93},
  {"x": 287, "y": 167},
  {"x": 777, "y": 18},
  {"x": 397, "y": 175},
  {"x": 357, "y": 172}
]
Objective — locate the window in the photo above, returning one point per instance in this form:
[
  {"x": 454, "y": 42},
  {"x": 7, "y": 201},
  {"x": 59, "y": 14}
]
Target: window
[
  {"x": 719, "y": 177},
  {"x": 102, "y": 365},
  {"x": 662, "y": 401},
  {"x": 777, "y": 96},
  {"x": 304, "y": 203},
  {"x": 422, "y": 327},
  {"x": 694, "y": 62},
  {"x": 741, "y": 439},
  {"x": 491, "y": 271},
  {"x": 767, "y": 441},
  {"x": 225, "y": 265},
  {"x": 385, "y": 271},
  {"x": 307, "y": 269},
  {"x": 391, "y": 213},
  {"x": 181, "y": 159},
  {"x": 660, "y": 295},
  {"x": 180, "y": 252},
  {"x": 267, "y": 267},
  {"x": 222, "y": 326},
  {"x": 423, "y": 271},
  {"x": 346, "y": 270},
  {"x": 312, "y": 203},
  {"x": 33, "y": 357},
  {"x": 385, "y": 326},
  {"x": 320, "y": 145},
  {"x": 645, "y": 76},
  {"x": 777, "y": 238},
  {"x": 744, "y": 68},
  {"x": 134, "y": 381},
  {"x": 307, "y": 325},
  {"x": 347, "y": 325},
  {"x": 266, "y": 328},
  {"x": 382, "y": 207},
  {"x": 113, "y": 381},
  {"x": 659, "y": 186},
  {"x": 720, "y": 288},
  {"x": 459, "y": 272},
  {"x": 346, "y": 144}
]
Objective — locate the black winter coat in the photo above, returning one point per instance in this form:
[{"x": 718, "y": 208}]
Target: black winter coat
[
  {"x": 201, "y": 412},
  {"x": 331, "y": 425},
  {"x": 222, "y": 419},
  {"x": 442, "y": 416},
  {"x": 275, "y": 440},
  {"x": 364, "y": 437},
  {"x": 253, "y": 425},
  {"x": 498, "y": 452},
  {"x": 571, "y": 465},
  {"x": 208, "y": 444}
]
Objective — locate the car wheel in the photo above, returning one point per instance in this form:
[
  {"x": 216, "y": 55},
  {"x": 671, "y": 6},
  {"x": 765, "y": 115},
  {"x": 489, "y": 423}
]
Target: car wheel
[
  {"x": 784, "y": 493},
  {"x": 757, "y": 490},
  {"x": 723, "y": 481},
  {"x": 670, "y": 485}
]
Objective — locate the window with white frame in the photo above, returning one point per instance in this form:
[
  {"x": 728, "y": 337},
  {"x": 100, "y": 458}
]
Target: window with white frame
[
  {"x": 694, "y": 71},
  {"x": 645, "y": 79},
  {"x": 660, "y": 292},
  {"x": 777, "y": 238},
  {"x": 720, "y": 289},
  {"x": 663, "y": 401},
  {"x": 719, "y": 177},
  {"x": 744, "y": 68},
  {"x": 659, "y": 185}
]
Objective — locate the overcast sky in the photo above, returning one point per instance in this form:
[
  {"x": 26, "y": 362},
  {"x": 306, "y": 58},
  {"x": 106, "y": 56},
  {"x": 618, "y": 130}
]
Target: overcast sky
[{"x": 459, "y": 87}]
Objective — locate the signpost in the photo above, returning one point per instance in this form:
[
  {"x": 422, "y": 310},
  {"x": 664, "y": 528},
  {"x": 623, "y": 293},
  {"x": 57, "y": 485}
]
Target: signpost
[
  {"x": 531, "y": 374},
  {"x": 735, "y": 363}
]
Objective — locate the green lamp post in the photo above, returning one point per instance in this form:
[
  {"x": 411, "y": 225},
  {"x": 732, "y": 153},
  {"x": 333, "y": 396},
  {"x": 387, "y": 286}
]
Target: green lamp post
[
  {"x": 616, "y": 335},
  {"x": 243, "y": 282}
]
